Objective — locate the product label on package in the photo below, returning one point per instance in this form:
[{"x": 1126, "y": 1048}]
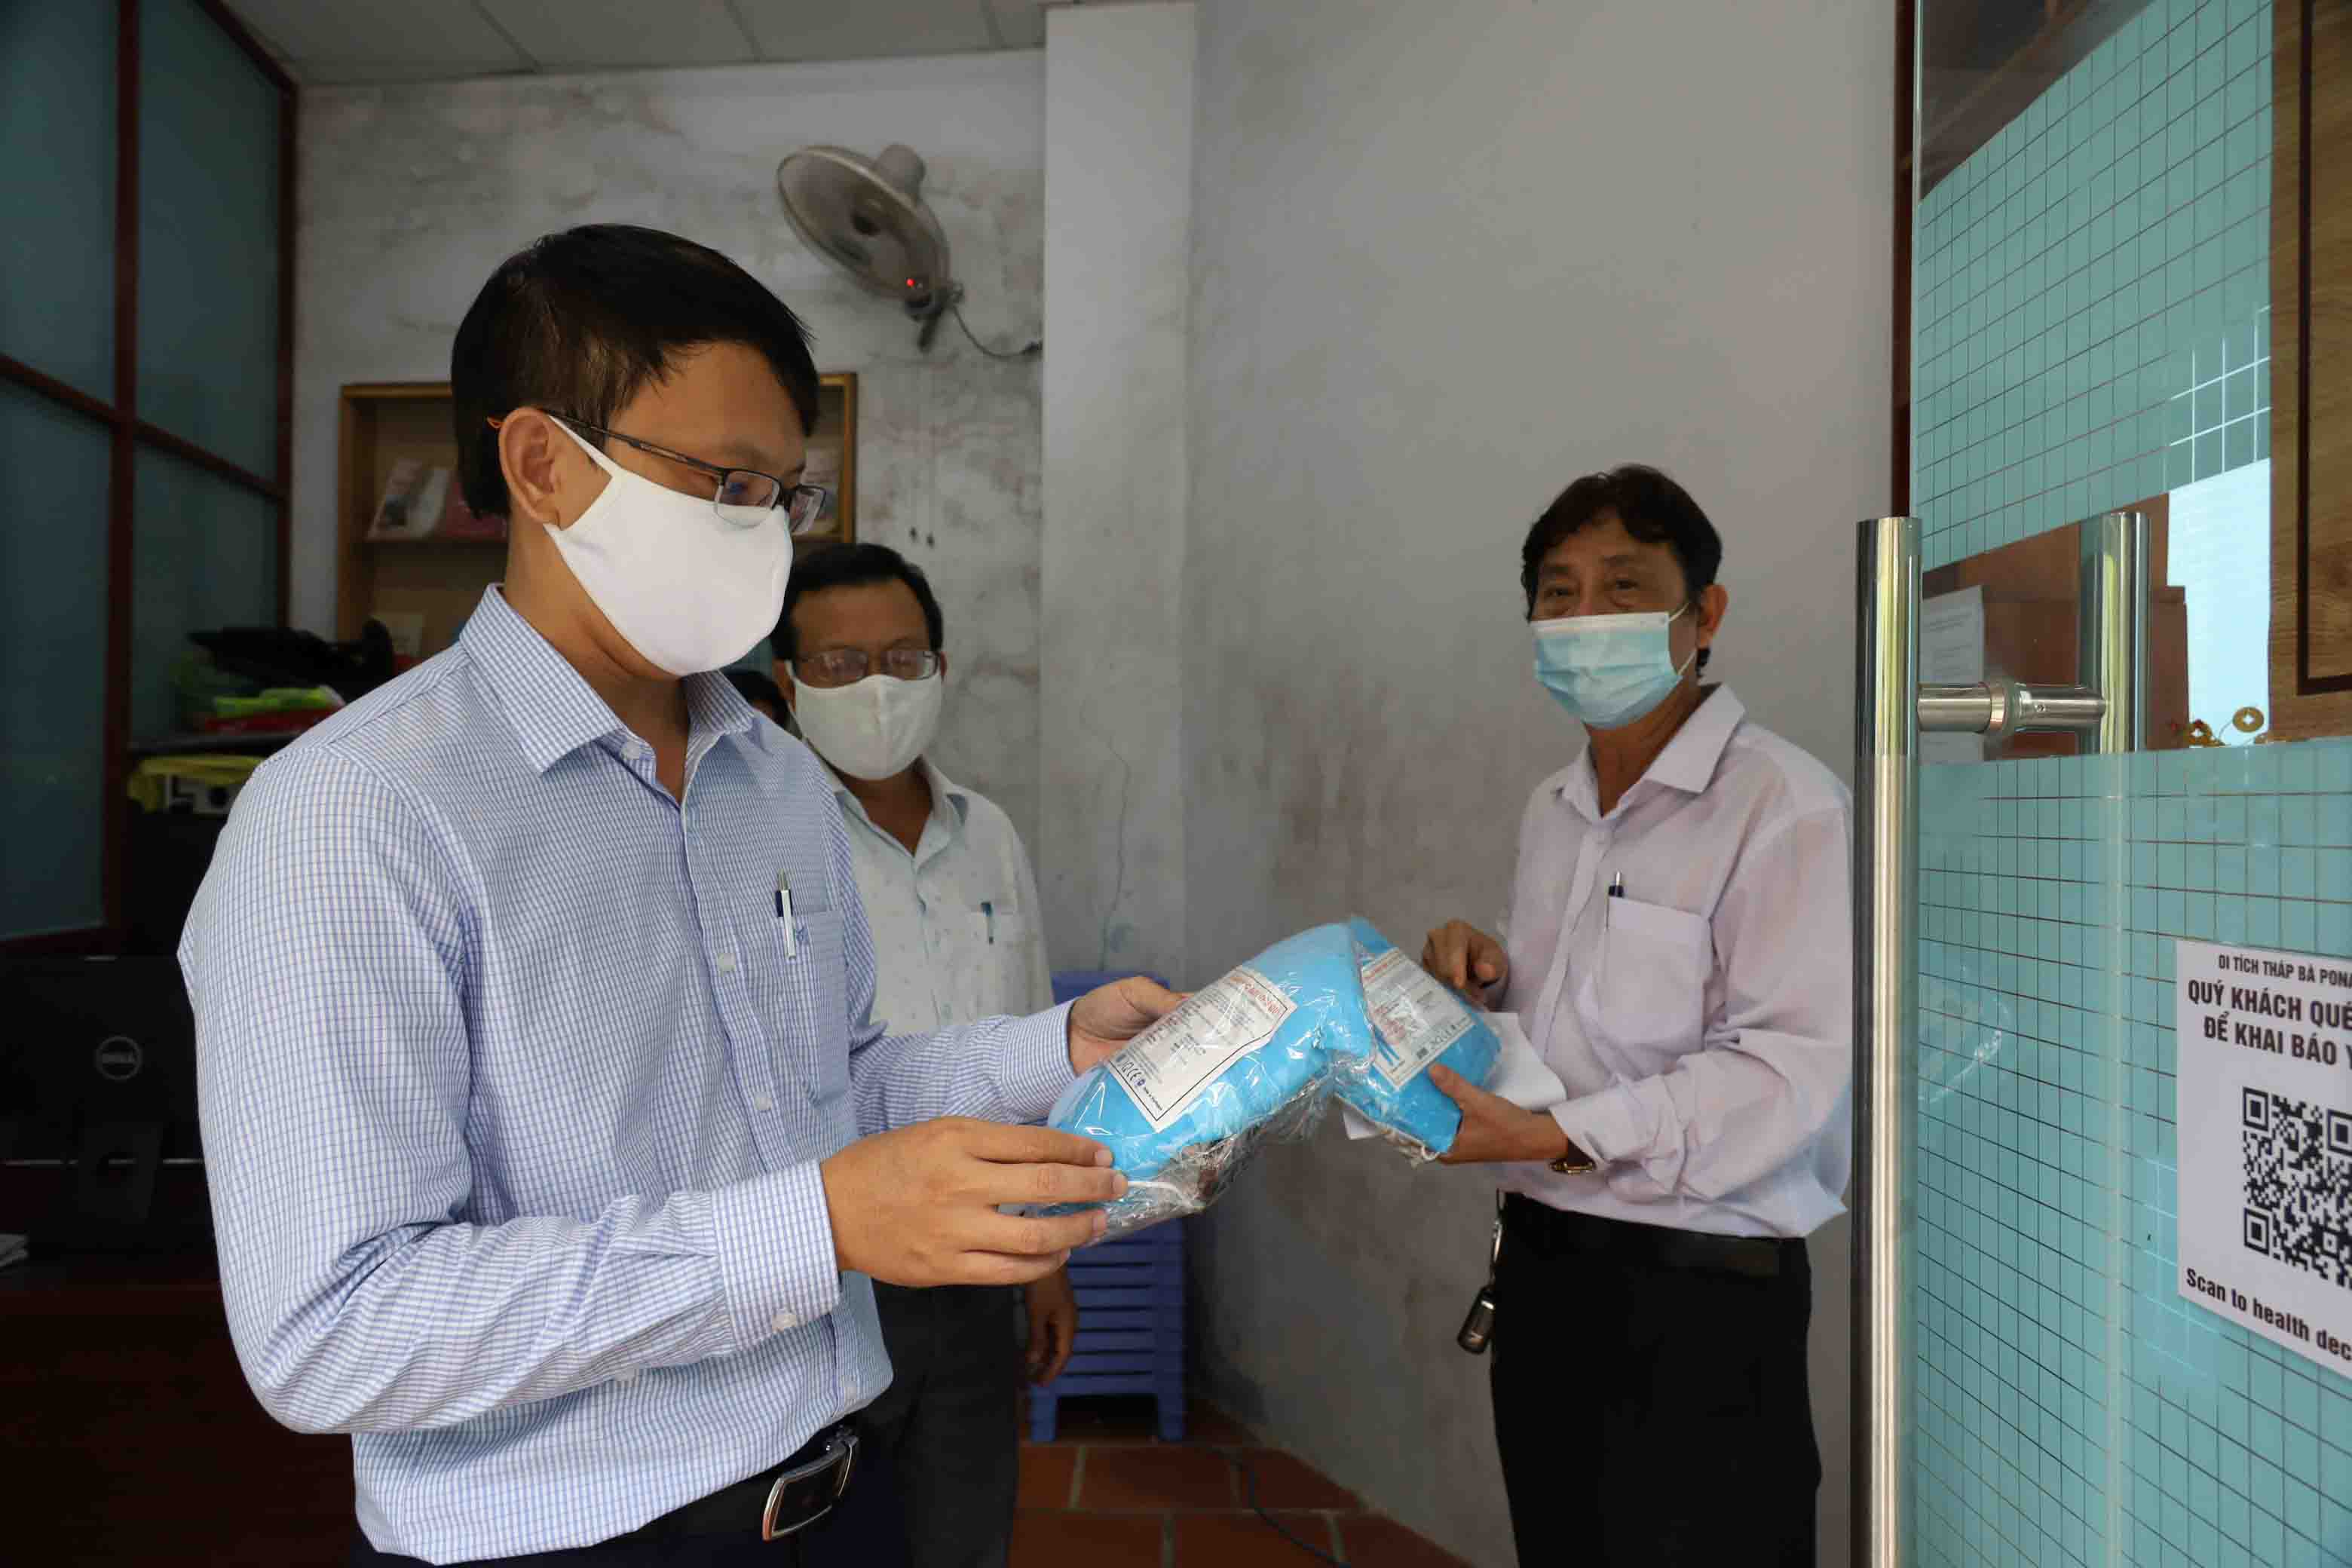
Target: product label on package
[
  {"x": 1416, "y": 1016},
  {"x": 1169, "y": 1066}
]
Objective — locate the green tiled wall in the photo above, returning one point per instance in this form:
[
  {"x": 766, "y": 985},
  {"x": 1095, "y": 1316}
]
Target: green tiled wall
[
  {"x": 2091, "y": 319},
  {"x": 2092, "y": 329},
  {"x": 2071, "y": 1408}
]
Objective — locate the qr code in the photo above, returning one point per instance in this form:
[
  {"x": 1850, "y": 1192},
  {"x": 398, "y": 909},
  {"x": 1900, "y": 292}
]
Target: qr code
[{"x": 2299, "y": 1184}]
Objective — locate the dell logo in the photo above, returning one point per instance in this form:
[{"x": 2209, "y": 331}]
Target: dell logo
[{"x": 119, "y": 1059}]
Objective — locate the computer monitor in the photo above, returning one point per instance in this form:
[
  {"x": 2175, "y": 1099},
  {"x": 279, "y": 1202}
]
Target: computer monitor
[{"x": 97, "y": 1081}]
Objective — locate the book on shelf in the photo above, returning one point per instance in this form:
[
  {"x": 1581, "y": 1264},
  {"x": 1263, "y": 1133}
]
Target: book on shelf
[
  {"x": 423, "y": 501},
  {"x": 413, "y": 497},
  {"x": 462, "y": 523}
]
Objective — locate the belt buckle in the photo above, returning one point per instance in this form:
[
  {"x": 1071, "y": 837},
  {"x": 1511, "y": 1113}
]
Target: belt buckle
[{"x": 840, "y": 1457}]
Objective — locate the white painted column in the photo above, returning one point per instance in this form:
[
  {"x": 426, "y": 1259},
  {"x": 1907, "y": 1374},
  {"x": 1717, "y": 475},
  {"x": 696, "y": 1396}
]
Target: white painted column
[{"x": 1118, "y": 172}]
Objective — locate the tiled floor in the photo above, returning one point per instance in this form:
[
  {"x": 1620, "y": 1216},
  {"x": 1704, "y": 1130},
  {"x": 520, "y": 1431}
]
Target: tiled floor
[{"x": 1107, "y": 1494}]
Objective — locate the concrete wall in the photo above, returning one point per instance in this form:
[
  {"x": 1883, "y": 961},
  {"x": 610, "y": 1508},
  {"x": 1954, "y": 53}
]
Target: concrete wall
[
  {"x": 1444, "y": 259},
  {"x": 1119, "y": 171},
  {"x": 410, "y": 196}
]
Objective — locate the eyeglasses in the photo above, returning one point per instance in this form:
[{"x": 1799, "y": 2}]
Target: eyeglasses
[
  {"x": 744, "y": 497},
  {"x": 848, "y": 665}
]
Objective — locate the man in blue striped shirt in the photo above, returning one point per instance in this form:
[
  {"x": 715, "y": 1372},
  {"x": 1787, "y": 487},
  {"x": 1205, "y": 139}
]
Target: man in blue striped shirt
[{"x": 551, "y": 1147}]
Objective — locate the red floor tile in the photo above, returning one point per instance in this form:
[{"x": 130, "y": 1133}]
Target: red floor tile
[
  {"x": 1367, "y": 1541},
  {"x": 1149, "y": 1504},
  {"x": 1046, "y": 1475},
  {"x": 1284, "y": 1481},
  {"x": 1045, "y": 1539},
  {"x": 1245, "y": 1541},
  {"x": 1129, "y": 1479}
]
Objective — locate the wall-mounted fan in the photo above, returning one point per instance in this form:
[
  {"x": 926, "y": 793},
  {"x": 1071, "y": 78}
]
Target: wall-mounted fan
[{"x": 868, "y": 217}]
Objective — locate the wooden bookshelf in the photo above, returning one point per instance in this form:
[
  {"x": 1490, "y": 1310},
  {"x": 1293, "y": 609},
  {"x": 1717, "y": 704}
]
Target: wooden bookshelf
[{"x": 442, "y": 579}]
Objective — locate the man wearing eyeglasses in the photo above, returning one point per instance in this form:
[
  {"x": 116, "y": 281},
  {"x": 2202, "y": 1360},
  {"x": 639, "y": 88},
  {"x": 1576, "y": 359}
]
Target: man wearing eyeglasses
[
  {"x": 552, "y": 1142},
  {"x": 952, "y": 901}
]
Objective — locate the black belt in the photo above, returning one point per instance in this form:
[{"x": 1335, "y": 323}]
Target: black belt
[
  {"x": 1559, "y": 1233},
  {"x": 782, "y": 1501}
]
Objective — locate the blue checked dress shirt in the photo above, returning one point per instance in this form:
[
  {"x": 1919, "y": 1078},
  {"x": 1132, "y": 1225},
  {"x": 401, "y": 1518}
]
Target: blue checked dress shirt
[{"x": 514, "y": 1091}]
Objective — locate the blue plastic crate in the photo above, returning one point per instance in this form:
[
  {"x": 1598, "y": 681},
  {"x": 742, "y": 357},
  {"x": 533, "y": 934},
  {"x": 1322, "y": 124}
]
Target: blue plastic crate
[
  {"x": 1069, "y": 984},
  {"x": 1131, "y": 1329}
]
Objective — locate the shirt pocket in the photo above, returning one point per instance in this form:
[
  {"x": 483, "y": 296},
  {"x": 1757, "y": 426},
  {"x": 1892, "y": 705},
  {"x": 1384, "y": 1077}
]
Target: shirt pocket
[
  {"x": 1646, "y": 996},
  {"x": 804, "y": 1004},
  {"x": 996, "y": 953}
]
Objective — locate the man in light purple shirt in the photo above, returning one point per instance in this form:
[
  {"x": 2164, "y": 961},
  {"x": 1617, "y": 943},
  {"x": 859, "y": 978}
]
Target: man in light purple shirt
[{"x": 1679, "y": 944}]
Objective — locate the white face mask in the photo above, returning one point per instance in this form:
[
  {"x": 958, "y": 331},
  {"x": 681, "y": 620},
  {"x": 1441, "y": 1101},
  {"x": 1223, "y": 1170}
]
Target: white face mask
[
  {"x": 874, "y": 729},
  {"x": 690, "y": 591}
]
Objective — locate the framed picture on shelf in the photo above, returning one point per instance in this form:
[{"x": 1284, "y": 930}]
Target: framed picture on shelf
[{"x": 411, "y": 505}]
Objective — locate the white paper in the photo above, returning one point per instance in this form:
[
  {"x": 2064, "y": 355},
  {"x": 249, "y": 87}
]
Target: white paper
[
  {"x": 1520, "y": 1076},
  {"x": 1168, "y": 1066},
  {"x": 1952, "y": 653},
  {"x": 2263, "y": 1105}
]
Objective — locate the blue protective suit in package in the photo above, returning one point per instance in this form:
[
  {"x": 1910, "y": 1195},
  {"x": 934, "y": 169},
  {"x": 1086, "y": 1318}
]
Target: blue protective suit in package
[
  {"x": 1185, "y": 1103},
  {"x": 1418, "y": 1021}
]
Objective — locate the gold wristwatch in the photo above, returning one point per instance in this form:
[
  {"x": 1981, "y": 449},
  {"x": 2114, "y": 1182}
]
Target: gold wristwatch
[{"x": 1575, "y": 1162}]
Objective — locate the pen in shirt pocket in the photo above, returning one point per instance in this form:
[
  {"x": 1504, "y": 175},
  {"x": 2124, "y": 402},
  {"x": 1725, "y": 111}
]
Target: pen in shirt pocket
[
  {"x": 1617, "y": 887},
  {"x": 988, "y": 912},
  {"x": 784, "y": 913}
]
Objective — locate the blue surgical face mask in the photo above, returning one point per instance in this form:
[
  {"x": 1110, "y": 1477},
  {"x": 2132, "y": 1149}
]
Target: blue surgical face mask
[{"x": 1609, "y": 670}]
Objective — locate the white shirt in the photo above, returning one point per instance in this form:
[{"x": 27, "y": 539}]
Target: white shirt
[
  {"x": 1702, "y": 1022},
  {"x": 955, "y": 923}
]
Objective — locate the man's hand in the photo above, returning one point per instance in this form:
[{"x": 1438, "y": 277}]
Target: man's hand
[
  {"x": 918, "y": 1205},
  {"x": 1103, "y": 1020},
  {"x": 1053, "y": 1325},
  {"x": 1494, "y": 1131},
  {"x": 1465, "y": 958}
]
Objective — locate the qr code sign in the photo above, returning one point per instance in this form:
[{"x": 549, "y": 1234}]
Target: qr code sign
[{"x": 2299, "y": 1184}]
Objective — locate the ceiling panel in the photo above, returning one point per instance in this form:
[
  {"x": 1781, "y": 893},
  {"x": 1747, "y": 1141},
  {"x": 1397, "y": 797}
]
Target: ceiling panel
[
  {"x": 567, "y": 35},
  {"x": 365, "y": 40},
  {"x": 327, "y": 42},
  {"x": 867, "y": 30}
]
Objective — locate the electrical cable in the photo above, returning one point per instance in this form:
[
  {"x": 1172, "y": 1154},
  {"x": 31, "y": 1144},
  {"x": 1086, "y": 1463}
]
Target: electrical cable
[
  {"x": 1034, "y": 347},
  {"x": 1250, "y": 1477}
]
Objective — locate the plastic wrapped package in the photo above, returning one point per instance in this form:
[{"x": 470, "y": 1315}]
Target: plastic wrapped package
[
  {"x": 1185, "y": 1104},
  {"x": 1418, "y": 1020}
]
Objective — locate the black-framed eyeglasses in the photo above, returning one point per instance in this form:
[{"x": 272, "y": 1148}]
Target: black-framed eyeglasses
[
  {"x": 744, "y": 497},
  {"x": 848, "y": 665}
]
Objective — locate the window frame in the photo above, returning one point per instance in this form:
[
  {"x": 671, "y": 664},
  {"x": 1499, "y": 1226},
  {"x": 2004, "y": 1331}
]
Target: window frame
[{"x": 128, "y": 434}]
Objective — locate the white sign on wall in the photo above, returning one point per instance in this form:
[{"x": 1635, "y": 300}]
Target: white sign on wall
[{"x": 2265, "y": 1113}]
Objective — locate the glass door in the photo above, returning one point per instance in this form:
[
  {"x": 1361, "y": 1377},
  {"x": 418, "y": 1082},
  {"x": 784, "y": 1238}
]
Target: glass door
[{"x": 2104, "y": 1202}]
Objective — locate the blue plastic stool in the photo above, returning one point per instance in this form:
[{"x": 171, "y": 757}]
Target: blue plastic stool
[
  {"x": 1131, "y": 1329},
  {"x": 1130, "y": 1302}
]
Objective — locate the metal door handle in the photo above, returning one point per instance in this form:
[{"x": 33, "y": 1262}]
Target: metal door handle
[
  {"x": 2010, "y": 707},
  {"x": 2104, "y": 706}
]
